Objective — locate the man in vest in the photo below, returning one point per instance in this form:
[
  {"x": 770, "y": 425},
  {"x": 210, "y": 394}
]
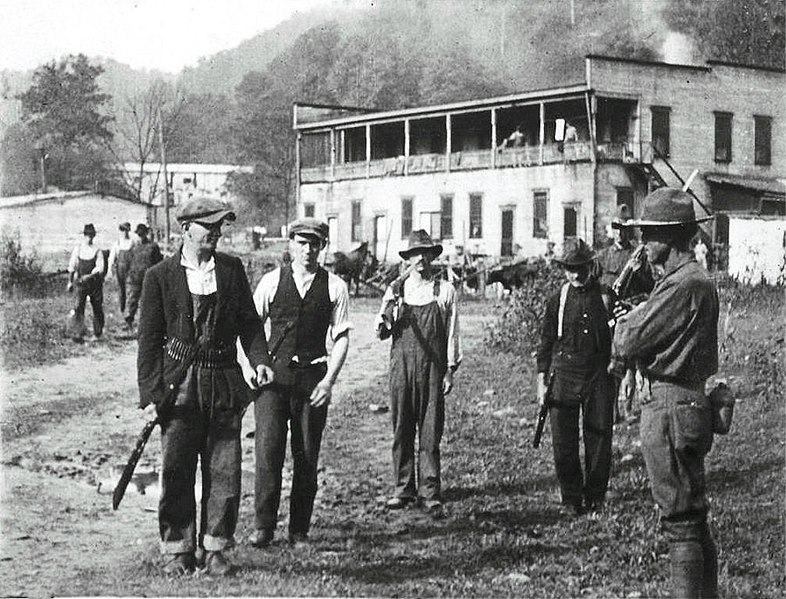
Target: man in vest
[
  {"x": 673, "y": 337},
  {"x": 120, "y": 261},
  {"x": 304, "y": 304},
  {"x": 572, "y": 358},
  {"x": 86, "y": 270},
  {"x": 421, "y": 315},
  {"x": 196, "y": 305}
]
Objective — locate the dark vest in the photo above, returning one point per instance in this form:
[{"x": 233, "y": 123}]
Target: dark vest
[{"x": 310, "y": 315}]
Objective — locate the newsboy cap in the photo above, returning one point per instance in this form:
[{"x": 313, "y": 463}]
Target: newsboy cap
[
  {"x": 309, "y": 226},
  {"x": 667, "y": 206},
  {"x": 575, "y": 252},
  {"x": 204, "y": 210},
  {"x": 420, "y": 242},
  {"x": 89, "y": 229}
]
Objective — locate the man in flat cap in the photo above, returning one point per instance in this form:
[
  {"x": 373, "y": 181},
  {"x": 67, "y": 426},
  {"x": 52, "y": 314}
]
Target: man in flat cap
[
  {"x": 120, "y": 261},
  {"x": 304, "y": 304},
  {"x": 86, "y": 270},
  {"x": 420, "y": 312},
  {"x": 673, "y": 337},
  {"x": 195, "y": 305},
  {"x": 145, "y": 253},
  {"x": 572, "y": 357}
]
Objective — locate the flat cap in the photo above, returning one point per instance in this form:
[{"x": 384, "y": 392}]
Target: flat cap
[
  {"x": 204, "y": 210},
  {"x": 126, "y": 226},
  {"x": 309, "y": 226}
]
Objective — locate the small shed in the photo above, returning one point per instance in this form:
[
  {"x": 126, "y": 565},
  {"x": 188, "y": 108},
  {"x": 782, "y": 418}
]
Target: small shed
[{"x": 51, "y": 224}]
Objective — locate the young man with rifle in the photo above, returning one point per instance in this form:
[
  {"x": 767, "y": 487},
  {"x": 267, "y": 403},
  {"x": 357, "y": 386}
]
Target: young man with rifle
[
  {"x": 194, "y": 307},
  {"x": 573, "y": 380},
  {"x": 419, "y": 311},
  {"x": 673, "y": 337},
  {"x": 304, "y": 303}
]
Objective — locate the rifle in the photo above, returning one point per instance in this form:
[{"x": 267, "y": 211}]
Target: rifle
[{"x": 543, "y": 412}]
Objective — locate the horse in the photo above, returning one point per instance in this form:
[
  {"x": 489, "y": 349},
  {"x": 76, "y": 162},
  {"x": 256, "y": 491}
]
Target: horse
[{"x": 355, "y": 265}]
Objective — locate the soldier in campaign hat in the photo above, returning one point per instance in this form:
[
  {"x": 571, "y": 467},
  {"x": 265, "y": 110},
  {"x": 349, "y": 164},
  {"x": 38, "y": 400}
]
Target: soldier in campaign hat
[
  {"x": 420, "y": 312},
  {"x": 673, "y": 337},
  {"x": 195, "y": 306},
  {"x": 305, "y": 304},
  {"x": 572, "y": 360}
]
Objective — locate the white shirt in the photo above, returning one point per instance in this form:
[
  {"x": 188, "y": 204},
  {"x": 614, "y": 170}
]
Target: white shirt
[
  {"x": 121, "y": 245},
  {"x": 86, "y": 252},
  {"x": 201, "y": 277}
]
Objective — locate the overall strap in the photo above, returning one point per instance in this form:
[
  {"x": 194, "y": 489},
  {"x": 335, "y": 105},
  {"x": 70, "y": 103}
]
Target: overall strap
[{"x": 563, "y": 298}]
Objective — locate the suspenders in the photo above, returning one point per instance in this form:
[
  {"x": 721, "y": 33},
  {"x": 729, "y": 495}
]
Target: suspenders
[{"x": 563, "y": 298}]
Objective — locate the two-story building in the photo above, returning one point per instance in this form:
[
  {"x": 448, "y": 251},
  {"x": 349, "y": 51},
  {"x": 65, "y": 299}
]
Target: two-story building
[{"x": 580, "y": 150}]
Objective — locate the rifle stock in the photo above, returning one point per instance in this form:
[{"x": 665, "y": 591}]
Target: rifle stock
[{"x": 543, "y": 412}]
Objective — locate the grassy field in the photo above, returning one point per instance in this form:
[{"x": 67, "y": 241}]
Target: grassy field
[{"x": 504, "y": 533}]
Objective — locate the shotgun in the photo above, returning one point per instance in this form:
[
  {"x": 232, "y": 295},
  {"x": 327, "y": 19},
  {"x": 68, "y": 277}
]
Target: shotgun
[{"x": 543, "y": 412}]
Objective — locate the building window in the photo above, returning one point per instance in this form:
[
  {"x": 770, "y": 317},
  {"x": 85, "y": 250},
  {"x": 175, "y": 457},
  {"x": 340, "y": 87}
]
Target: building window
[
  {"x": 540, "y": 214},
  {"x": 357, "y": 225},
  {"x": 308, "y": 210},
  {"x": 661, "y": 127},
  {"x": 475, "y": 215},
  {"x": 446, "y": 220},
  {"x": 625, "y": 197},
  {"x": 723, "y": 136},
  {"x": 406, "y": 217},
  {"x": 763, "y": 140}
]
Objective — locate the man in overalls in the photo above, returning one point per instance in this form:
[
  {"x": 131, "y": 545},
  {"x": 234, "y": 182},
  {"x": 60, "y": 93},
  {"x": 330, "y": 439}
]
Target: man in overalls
[
  {"x": 195, "y": 305},
  {"x": 144, "y": 254},
  {"x": 120, "y": 261},
  {"x": 574, "y": 349},
  {"x": 86, "y": 270},
  {"x": 673, "y": 337},
  {"x": 305, "y": 304},
  {"x": 421, "y": 315}
]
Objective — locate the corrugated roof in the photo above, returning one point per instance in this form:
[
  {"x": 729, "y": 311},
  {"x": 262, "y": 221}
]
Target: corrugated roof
[
  {"x": 764, "y": 184},
  {"x": 12, "y": 201}
]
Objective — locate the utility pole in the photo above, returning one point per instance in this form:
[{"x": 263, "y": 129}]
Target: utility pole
[
  {"x": 572, "y": 13},
  {"x": 162, "y": 149}
]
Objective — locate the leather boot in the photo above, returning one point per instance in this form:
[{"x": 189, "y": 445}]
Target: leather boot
[
  {"x": 709, "y": 584},
  {"x": 687, "y": 569}
]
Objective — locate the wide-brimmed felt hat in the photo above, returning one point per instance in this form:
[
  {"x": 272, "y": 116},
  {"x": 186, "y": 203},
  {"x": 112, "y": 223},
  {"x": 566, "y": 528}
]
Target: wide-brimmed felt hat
[
  {"x": 623, "y": 216},
  {"x": 667, "y": 206},
  {"x": 126, "y": 226},
  {"x": 142, "y": 229},
  {"x": 309, "y": 226},
  {"x": 204, "y": 210},
  {"x": 420, "y": 242},
  {"x": 89, "y": 229},
  {"x": 575, "y": 252}
]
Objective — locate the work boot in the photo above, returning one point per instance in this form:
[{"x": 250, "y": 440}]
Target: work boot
[
  {"x": 216, "y": 564},
  {"x": 298, "y": 540},
  {"x": 178, "y": 564},
  {"x": 687, "y": 569},
  {"x": 261, "y": 538},
  {"x": 709, "y": 586}
]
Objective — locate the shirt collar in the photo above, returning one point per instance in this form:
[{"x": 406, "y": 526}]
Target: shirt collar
[{"x": 208, "y": 266}]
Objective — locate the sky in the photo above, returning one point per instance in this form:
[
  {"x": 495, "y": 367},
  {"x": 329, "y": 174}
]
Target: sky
[{"x": 166, "y": 35}]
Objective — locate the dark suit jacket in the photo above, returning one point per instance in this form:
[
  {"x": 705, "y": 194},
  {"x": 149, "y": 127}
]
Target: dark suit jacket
[{"x": 166, "y": 311}]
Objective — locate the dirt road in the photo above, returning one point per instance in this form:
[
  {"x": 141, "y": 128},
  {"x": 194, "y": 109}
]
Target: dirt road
[{"x": 68, "y": 429}]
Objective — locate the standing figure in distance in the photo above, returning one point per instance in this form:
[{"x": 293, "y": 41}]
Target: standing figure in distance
[
  {"x": 120, "y": 261},
  {"x": 86, "y": 270},
  {"x": 574, "y": 349},
  {"x": 421, "y": 315},
  {"x": 304, "y": 303},
  {"x": 673, "y": 336},
  {"x": 195, "y": 305},
  {"x": 144, "y": 254}
]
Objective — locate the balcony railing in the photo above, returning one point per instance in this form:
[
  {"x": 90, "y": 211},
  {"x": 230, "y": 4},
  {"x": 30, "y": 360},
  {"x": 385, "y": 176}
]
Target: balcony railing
[{"x": 528, "y": 156}]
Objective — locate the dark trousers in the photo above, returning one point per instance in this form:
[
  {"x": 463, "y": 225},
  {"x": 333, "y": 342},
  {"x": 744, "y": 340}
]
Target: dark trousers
[
  {"x": 278, "y": 407},
  {"x": 189, "y": 435},
  {"x": 94, "y": 289},
  {"x": 132, "y": 302},
  {"x": 596, "y": 408},
  {"x": 121, "y": 290}
]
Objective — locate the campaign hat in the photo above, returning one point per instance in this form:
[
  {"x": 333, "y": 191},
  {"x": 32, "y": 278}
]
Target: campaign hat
[
  {"x": 667, "y": 206},
  {"x": 89, "y": 229},
  {"x": 575, "y": 252},
  {"x": 204, "y": 210},
  {"x": 308, "y": 226},
  {"x": 420, "y": 242}
]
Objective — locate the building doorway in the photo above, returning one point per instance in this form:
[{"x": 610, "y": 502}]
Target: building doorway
[
  {"x": 381, "y": 237},
  {"x": 506, "y": 247},
  {"x": 570, "y": 222}
]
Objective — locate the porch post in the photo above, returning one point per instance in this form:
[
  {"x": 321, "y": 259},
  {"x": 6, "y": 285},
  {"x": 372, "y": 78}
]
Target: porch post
[
  {"x": 493, "y": 138},
  {"x": 448, "y": 142},
  {"x": 542, "y": 130},
  {"x": 406, "y": 146},
  {"x": 590, "y": 105},
  {"x": 332, "y": 154},
  {"x": 368, "y": 151}
]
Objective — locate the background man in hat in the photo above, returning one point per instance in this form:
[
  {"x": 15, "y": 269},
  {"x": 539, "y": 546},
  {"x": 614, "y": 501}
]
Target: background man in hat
[
  {"x": 304, "y": 304},
  {"x": 144, "y": 254},
  {"x": 195, "y": 305},
  {"x": 610, "y": 263},
  {"x": 425, "y": 352},
  {"x": 674, "y": 338},
  {"x": 120, "y": 261},
  {"x": 572, "y": 357},
  {"x": 86, "y": 270}
]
